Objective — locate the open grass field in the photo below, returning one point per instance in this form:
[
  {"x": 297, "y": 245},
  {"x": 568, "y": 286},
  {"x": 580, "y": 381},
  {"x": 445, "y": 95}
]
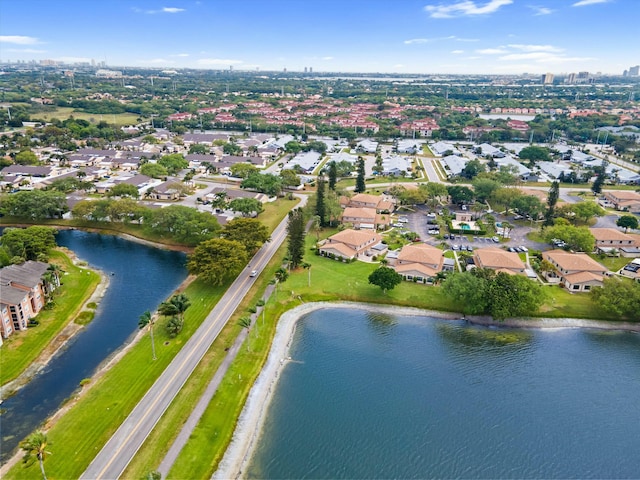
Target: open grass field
[
  {"x": 63, "y": 113},
  {"x": 23, "y": 347}
]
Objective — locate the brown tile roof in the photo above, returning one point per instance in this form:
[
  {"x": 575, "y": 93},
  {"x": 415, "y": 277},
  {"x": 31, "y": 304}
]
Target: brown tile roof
[
  {"x": 366, "y": 198},
  {"x": 624, "y": 195},
  {"x": 421, "y": 253},
  {"x": 360, "y": 212},
  {"x": 601, "y": 234},
  {"x": 340, "y": 248},
  {"x": 574, "y": 261},
  {"x": 582, "y": 277},
  {"x": 416, "y": 268},
  {"x": 497, "y": 258},
  {"x": 355, "y": 238}
]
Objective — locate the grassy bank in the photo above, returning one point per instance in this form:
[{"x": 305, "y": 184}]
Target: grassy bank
[
  {"x": 23, "y": 347},
  {"x": 63, "y": 113}
]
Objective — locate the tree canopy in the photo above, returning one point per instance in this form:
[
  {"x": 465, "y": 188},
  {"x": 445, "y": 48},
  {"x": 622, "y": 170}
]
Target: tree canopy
[
  {"x": 32, "y": 243},
  {"x": 579, "y": 239},
  {"x": 620, "y": 296},
  {"x": 153, "y": 170},
  {"x": 500, "y": 295},
  {"x": 246, "y": 206},
  {"x": 34, "y": 204},
  {"x": 124, "y": 190},
  {"x": 218, "y": 260},
  {"x": 173, "y": 163},
  {"x": 627, "y": 222},
  {"x": 251, "y": 233},
  {"x": 386, "y": 278}
]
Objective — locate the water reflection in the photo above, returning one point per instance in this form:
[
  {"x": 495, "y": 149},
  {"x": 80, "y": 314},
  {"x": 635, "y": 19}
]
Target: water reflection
[{"x": 470, "y": 339}]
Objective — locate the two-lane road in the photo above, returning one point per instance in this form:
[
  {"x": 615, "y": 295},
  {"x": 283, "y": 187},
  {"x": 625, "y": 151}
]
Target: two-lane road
[{"x": 125, "y": 442}]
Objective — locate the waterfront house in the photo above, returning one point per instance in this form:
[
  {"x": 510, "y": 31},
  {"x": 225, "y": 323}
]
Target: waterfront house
[
  {"x": 577, "y": 272},
  {"x": 349, "y": 244},
  {"x": 420, "y": 262},
  {"x": 23, "y": 294},
  {"x": 499, "y": 260}
]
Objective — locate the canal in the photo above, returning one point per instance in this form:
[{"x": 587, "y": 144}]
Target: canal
[{"x": 140, "y": 277}]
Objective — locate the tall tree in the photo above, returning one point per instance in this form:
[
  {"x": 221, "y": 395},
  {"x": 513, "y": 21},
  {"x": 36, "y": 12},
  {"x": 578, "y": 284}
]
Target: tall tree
[
  {"x": 627, "y": 222},
  {"x": 333, "y": 175},
  {"x": 218, "y": 260},
  {"x": 32, "y": 243},
  {"x": 360, "y": 184},
  {"x": 295, "y": 233},
  {"x": 619, "y": 296},
  {"x": 320, "y": 206},
  {"x": 307, "y": 267},
  {"x": 281, "y": 276},
  {"x": 146, "y": 320},
  {"x": 35, "y": 448},
  {"x": 601, "y": 173},
  {"x": 552, "y": 200},
  {"x": 252, "y": 233},
  {"x": 386, "y": 278}
]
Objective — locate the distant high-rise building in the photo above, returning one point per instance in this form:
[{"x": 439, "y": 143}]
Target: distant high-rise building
[
  {"x": 583, "y": 75},
  {"x": 310, "y": 69},
  {"x": 571, "y": 78},
  {"x": 305, "y": 69},
  {"x": 285, "y": 70},
  {"x": 547, "y": 79},
  {"x": 625, "y": 73},
  {"x": 634, "y": 71},
  {"x": 231, "y": 68}
]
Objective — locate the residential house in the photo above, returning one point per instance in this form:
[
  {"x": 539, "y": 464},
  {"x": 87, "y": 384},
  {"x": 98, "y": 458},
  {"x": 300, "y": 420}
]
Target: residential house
[
  {"x": 349, "y": 244},
  {"x": 164, "y": 191},
  {"x": 578, "y": 272},
  {"x": 367, "y": 146},
  {"x": 610, "y": 239},
  {"x": 22, "y": 294},
  {"x": 453, "y": 165},
  {"x": 395, "y": 165},
  {"x": 623, "y": 200},
  {"x": 367, "y": 218},
  {"x": 420, "y": 262},
  {"x": 381, "y": 203},
  {"x": 444, "y": 148},
  {"x": 631, "y": 270},
  {"x": 306, "y": 161},
  {"x": 499, "y": 260}
]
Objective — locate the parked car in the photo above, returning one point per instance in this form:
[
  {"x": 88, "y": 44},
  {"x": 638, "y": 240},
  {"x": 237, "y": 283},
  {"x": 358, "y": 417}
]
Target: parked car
[
  {"x": 523, "y": 249},
  {"x": 495, "y": 239},
  {"x": 455, "y": 247}
]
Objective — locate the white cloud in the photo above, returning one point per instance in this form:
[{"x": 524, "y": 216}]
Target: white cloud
[
  {"x": 163, "y": 10},
  {"x": 542, "y": 57},
  {"x": 457, "y": 52},
  {"x": 218, "y": 61},
  {"x": 437, "y": 39},
  {"x": 19, "y": 39},
  {"x": 180, "y": 55},
  {"x": 327, "y": 58},
  {"x": 583, "y": 3},
  {"x": 541, "y": 10},
  {"x": 492, "y": 51},
  {"x": 417, "y": 40},
  {"x": 535, "y": 48},
  {"x": 465, "y": 7}
]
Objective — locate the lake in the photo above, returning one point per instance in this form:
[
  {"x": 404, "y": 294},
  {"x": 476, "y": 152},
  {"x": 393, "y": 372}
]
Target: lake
[{"x": 379, "y": 396}]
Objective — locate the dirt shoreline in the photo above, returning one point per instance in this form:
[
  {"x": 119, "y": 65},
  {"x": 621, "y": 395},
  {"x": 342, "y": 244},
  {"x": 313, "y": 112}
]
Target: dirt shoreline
[{"x": 252, "y": 417}]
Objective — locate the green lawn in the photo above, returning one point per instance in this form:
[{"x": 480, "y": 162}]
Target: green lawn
[
  {"x": 23, "y": 347},
  {"x": 63, "y": 113},
  {"x": 612, "y": 263}
]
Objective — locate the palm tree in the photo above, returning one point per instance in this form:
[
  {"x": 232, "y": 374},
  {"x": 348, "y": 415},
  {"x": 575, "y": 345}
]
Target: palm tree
[
  {"x": 307, "y": 266},
  {"x": 174, "y": 326},
  {"x": 146, "y": 320},
  {"x": 281, "y": 276},
  {"x": 35, "y": 448},
  {"x": 245, "y": 322},
  {"x": 176, "y": 305},
  {"x": 506, "y": 227}
]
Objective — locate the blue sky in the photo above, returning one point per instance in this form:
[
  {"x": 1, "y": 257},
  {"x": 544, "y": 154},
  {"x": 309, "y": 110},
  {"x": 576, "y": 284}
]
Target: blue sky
[{"x": 403, "y": 36}]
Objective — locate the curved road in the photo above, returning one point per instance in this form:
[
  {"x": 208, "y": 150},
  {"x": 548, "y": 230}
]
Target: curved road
[{"x": 125, "y": 442}]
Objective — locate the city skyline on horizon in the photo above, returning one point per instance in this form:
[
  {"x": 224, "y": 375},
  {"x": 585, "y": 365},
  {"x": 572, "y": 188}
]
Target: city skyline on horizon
[{"x": 464, "y": 37}]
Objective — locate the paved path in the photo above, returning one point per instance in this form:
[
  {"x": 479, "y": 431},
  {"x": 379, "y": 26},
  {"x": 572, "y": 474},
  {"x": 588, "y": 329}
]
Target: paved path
[{"x": 127, "y": 440}]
